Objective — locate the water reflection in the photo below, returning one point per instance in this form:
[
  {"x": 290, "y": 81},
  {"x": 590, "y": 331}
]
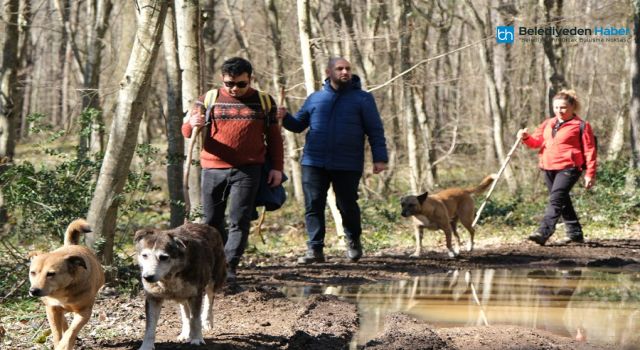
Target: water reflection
[{"x": 598, "y": 306}]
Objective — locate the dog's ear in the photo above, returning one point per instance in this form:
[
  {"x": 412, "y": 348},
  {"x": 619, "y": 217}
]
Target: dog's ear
[
  {"x": 32, "y": 254},
  {"x": 75, "y": 262},
  {"x": 182, "y": 246},
  {"x": 422, "y": 197},
  {"x": 141, "y": 233}
]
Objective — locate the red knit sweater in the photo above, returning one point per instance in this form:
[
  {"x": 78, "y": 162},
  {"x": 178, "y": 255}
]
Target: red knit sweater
[{"x": 235, "y": 136}]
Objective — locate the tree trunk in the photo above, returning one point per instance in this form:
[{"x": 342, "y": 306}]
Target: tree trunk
[
  {"x": 237, "y": 31},
  {"x": 210, "y": 38},
  {"x": 98, "y": 12},
  {"x": 280, "y": 82},
  {"x": 408, "y": 106},
  {"x": 8, "y": 72},
  {"x": 173, "y": 112},
  {"x": 616, "y": 142},
  {"x": 343, "y": 12},
  {"x": 308, "y": 64},
  {"x": 25, "y": 67},
  {"x": 495, "y": 109},
  {"x": 633, "y": 180},
  {"x": 132, "y": 96},
  {"x": 554, "y": 51},
  {"x": 188, "y": 28}
]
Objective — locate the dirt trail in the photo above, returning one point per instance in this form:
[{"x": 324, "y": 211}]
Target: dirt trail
[{"x": 255, "y": 315}]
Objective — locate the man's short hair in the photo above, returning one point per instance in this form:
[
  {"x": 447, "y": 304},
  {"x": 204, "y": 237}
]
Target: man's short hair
[
  {"x": 235, "y": 66},
  {"x": 333, "y": 60}
]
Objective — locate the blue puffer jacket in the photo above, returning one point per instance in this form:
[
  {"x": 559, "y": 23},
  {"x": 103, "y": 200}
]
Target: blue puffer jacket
[{"x": 338, "y": 120}]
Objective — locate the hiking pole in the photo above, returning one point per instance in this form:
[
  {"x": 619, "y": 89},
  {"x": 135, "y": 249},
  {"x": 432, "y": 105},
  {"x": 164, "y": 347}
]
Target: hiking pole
[
  {"x": 495, "y": 181},
  {"x": 187, "y": 167}
]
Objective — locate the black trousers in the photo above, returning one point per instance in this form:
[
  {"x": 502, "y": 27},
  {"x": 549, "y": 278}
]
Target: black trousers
[
  {"x": 559, "y": 183},
  {"x": 315, "y": 183}
]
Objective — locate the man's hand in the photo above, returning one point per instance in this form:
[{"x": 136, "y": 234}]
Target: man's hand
[
  {"x": 378, "y": 167},
  {"x": 275, "y": 178},
  {"x": 281, "y": 113},
  {"x": 196, "y": 118},
  {"x": 589, "y": 182}
]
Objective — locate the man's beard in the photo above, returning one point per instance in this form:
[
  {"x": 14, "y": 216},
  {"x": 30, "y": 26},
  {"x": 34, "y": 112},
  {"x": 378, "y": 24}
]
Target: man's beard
[{"x": 342, "y": 83}]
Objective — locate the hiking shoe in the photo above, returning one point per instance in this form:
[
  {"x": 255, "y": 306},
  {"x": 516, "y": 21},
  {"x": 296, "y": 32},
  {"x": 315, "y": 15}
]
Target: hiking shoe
[
  {"x": 538, "y": 238},
  {"x": 354, "y": 250},
  {"x": 311, "y": 257},
  {"x": 231, "y": 274},
  {"x": 567, "y": 240}
]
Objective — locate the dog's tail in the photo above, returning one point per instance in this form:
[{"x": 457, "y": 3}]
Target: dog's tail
[
  {"x": 486, "y": 182},
  {"x": 77, "y": 227}
]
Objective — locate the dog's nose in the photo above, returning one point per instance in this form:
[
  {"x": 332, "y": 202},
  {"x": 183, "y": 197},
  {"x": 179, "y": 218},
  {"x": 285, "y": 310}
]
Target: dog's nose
[
  {"x": 149, "y": 278},
  {"x": 35, "y": 292}
]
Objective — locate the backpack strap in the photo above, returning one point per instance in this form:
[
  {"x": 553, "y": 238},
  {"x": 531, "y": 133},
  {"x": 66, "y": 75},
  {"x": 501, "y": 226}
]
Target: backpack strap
[
  {"x": 265, "y": 103},
  {"x": 209, "y": 102}
]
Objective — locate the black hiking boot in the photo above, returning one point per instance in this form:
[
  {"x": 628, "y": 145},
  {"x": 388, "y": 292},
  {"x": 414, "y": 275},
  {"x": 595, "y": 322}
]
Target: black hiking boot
[
  {"x": 231, "y": 274},
  {"x": 311, "y": 257},
  {"x": 567, "y": 240},
  {"x": 538, "y": 238},
  {"x": 354, "y": 250}
]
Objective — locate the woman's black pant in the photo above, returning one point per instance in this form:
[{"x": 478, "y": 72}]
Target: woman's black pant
[{"x": 559, "y": 184}]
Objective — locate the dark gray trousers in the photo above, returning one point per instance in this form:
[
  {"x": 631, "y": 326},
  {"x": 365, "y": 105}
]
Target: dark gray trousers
[{"x": 238, "y": 186}]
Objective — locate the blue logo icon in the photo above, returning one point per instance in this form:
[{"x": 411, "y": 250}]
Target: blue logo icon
[{"x": 505, "y": 34}]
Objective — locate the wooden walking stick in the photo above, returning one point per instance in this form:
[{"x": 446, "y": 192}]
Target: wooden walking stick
[
  {"x": 264, "y": 210},
  {"x": 187, "y": 167},
  {"x": 495, "y": 181}
]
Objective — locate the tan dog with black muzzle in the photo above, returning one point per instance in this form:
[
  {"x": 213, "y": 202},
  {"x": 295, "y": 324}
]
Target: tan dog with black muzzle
[
  {"x": 68, "y": 280},
  {"x": 442, "y": 211}
]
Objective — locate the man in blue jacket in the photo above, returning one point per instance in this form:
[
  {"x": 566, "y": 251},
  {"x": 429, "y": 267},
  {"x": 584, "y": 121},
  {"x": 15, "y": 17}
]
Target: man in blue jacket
[{"x": 338, "y": 117}]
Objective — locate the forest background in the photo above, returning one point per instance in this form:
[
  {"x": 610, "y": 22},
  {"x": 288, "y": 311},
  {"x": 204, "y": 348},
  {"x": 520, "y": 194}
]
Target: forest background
[{"x": 93, "y": 93}]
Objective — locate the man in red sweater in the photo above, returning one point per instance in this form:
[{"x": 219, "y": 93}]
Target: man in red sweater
[{"x": 236, "y": 143}]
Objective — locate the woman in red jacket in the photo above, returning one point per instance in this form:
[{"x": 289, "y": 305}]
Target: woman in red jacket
[{"x": 567, "y": 148}]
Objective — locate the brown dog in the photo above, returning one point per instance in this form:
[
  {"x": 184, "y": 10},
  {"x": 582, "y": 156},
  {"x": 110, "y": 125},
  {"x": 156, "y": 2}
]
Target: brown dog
[
  {"x": 442, "y": 211},
  {"x": 68, "y": 280}
]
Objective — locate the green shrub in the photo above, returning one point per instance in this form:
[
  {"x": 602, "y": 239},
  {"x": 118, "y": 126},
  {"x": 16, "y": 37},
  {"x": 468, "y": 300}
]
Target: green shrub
[{"x": 380, "y": 220}]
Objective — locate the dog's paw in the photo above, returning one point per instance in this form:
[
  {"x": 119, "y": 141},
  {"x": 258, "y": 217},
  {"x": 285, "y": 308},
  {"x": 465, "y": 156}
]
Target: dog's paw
[
  {"x": 415, "y": 255},
  {"x": 183, "y": 336},
  {"x": 452, "y": 254},
  {"x": 197, "y": 341},
  {"x": 469, "y": 247}
]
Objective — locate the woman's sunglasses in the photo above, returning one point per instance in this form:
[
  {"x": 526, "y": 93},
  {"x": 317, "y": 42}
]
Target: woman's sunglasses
[{"x": 240, "y": 84}]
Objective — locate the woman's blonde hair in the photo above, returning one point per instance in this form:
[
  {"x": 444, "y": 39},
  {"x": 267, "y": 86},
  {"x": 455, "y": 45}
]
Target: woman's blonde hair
[{"x": 569, "y": 96}]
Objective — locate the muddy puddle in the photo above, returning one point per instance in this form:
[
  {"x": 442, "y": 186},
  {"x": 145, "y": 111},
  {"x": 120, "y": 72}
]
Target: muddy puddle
[{"x": 595, "y": 305}]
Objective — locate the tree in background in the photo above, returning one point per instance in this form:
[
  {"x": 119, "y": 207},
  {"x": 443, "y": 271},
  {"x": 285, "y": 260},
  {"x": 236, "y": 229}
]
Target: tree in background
[{"x": 134, "y": 89}]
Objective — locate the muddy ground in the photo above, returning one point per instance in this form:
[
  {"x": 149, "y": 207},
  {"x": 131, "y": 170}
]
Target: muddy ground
[{"x": 253, "y": 314}]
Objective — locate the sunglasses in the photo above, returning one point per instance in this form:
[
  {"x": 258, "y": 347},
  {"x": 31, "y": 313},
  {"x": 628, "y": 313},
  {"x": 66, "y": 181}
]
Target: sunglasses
[{"x": 239, "y": 84}]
